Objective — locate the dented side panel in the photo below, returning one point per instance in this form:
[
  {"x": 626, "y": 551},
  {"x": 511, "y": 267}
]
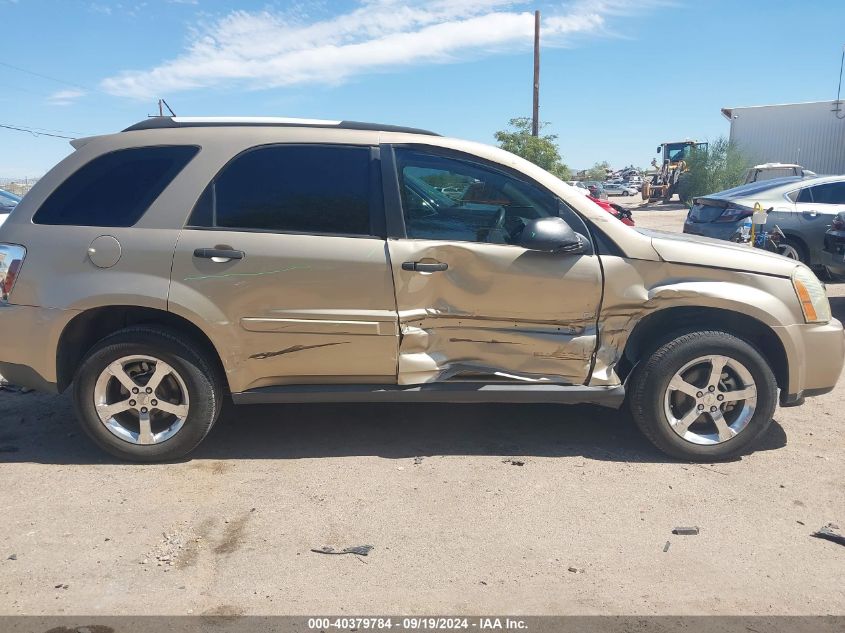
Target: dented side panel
[
  {"x": 636, "y": 289},
  {"x": 497, "y": 311},
  {"x": 295, "y": 309}
]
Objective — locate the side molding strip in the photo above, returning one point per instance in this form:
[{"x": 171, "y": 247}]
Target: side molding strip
[{"x": 469, "y": 392}]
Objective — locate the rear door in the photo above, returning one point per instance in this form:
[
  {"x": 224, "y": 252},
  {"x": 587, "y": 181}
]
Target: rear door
[
  {"x": 472, "y": 304},
  {"x": 284, "y": 260},
  {"x": 817, "y": 206}
]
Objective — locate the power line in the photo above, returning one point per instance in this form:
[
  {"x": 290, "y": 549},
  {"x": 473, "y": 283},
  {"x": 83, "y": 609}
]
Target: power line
[
  {"x": 48, "y": 129},
  {"x": 34, "y": 132},
  {"x": 48, "y": 77},
  {"x": 838, "y": 107}
]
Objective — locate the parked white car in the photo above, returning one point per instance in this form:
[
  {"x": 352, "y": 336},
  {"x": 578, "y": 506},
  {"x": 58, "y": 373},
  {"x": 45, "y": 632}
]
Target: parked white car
[
  {"x": 770, "y": 171},
  {"x": 579, "y": 187}
]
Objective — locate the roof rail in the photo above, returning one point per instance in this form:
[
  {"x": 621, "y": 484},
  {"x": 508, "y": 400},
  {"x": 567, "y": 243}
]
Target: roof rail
[{"x": 159, "y": 122}]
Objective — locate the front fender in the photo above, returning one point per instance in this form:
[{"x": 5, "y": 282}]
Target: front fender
[{"x": 635, "y": 290}]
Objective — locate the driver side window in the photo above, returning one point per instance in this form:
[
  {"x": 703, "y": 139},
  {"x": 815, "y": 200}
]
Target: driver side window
[{"x": 445, "y": 198}]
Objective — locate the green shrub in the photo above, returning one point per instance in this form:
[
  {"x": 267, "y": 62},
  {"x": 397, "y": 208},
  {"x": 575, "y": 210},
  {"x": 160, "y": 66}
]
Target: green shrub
[{"x": 721, "y": 166}]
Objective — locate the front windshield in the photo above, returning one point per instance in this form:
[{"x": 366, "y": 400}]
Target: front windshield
[
  {"x": 427, "y": 191},
  {"x": 676, "y": 151}
]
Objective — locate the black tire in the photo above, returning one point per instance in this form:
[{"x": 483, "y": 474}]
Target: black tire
[
  {"x": 800, "y": 249},
  {"x": 651, "y": 379},
  {"x": 202, "y": 380}
]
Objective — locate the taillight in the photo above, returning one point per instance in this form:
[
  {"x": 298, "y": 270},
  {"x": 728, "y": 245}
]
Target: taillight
[
  {"x": 732, "y": 214},
  {"x": 11, "y": 260}
]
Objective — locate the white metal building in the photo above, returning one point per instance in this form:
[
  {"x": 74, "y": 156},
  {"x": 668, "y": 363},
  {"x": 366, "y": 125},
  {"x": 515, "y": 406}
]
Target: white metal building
[{"x": 810, "y": 134}]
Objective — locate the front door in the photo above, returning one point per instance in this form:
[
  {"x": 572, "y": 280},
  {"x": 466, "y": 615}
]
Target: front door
[
  {"x": 283, "y": 263},
  {"x": 472, "y": 304}
]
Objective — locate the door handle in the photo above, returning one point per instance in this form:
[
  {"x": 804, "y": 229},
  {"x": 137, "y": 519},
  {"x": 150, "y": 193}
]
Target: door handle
[
  {"x": 422, "y": 267},
  {"x": 218, "y": 253}
]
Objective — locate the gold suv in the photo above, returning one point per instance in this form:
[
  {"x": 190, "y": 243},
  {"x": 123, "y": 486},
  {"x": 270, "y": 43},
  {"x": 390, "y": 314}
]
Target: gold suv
[{"x": 159, "y": 270}]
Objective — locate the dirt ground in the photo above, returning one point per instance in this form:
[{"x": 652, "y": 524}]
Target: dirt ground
[{"x": 470, "y": 509}]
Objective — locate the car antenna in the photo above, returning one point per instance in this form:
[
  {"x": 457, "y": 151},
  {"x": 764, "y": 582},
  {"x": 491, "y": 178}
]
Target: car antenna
[{"x": 161, "y": 105}]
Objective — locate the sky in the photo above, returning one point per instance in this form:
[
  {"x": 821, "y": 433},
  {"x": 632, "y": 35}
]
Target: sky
[{"x": 618, "y": 77}]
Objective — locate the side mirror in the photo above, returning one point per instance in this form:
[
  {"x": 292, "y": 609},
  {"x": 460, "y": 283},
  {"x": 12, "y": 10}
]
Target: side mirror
[{"x": 551, "y": 235}]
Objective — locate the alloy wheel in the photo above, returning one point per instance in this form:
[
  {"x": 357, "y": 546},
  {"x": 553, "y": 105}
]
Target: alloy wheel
[
  {"x": 141, "y": 399},
  {"x": 787, "y": 250},
  {"x": 710, "y": 400}
]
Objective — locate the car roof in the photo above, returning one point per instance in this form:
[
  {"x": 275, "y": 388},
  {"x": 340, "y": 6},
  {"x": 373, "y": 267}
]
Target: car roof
[
  {"x": 776, "y": 166},
  {"x": 774, "y": 185},
  {"x": 159, "y": 122}
]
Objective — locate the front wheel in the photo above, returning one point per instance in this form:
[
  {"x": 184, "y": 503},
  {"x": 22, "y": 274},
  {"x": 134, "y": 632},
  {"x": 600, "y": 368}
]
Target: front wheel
[
  {"x": 145, "y": 395},
  {"x": 703, "y": 396}
]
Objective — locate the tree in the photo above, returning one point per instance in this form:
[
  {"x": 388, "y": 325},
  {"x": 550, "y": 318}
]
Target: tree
[
  {"x": 598, "y": 171},
  {"x": 540, "y": 150},
  {"x": 721, "y": 166}
]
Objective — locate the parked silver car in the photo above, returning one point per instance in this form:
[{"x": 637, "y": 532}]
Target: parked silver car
[
  {"x": 619, "y": 189},
  {"x": 803, "y": 208}
]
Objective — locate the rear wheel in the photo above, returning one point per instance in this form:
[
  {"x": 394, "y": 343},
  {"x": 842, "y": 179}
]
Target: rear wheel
[
  {"x": 703, "y": 396},
  {"x": 793, "y": 249},
  {"x": 145, "y": 395}
]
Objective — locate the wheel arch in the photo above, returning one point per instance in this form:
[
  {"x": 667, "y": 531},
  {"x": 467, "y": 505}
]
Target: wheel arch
[
  {"x": 663, "y": 325},
  {"x": 795, "y": 236},
  {"x": 87, "y": 328}
]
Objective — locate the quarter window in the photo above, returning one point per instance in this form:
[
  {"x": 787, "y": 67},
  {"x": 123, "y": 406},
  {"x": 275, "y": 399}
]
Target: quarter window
[
  {"x": 114, "y": 189},
  {"x": 445, "y": 198},
  {"x": 291, "y": 188}
]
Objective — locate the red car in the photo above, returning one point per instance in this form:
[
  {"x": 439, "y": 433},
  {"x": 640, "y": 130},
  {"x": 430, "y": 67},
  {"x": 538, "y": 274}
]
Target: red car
[{"x": 615, "y": 210}]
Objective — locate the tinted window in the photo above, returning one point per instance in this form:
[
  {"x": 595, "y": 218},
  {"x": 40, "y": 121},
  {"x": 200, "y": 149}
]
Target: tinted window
[
  {"x": 114, "y": 189},
  {"x": 805, "y": 195},
  {"x": 830, "y": 193},
  {"x": 291, "y": 188},
  {"x": 444, "y": 198}
]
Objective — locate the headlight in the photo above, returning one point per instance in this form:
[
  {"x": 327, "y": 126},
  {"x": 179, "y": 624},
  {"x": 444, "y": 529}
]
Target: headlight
[{"x": 811, "y": 295}]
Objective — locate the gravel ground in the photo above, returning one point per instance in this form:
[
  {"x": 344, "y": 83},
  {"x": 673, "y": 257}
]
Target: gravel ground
[{"x": 469, "y": 509}]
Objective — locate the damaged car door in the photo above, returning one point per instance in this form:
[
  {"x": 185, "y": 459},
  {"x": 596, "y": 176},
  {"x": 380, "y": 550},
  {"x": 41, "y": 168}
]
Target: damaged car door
[
  {"x": 479, "y": 296},
  {"x": 283, "y": 261}
]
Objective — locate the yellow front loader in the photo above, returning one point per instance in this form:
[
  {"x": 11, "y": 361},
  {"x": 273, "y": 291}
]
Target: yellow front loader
[{"x": 664, "y": 184}]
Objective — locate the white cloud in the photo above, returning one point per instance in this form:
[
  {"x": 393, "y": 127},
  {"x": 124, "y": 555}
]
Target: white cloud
[
  {"x": 266, "y": 49},
  {"x": 65, "y": 97}
]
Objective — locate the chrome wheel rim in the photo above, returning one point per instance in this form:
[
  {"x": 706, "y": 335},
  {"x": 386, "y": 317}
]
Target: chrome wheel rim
[
  {"x": 710, "y": 400},
  {"x": 787, "y": 250},
  {"x": 141, "y": 399}
]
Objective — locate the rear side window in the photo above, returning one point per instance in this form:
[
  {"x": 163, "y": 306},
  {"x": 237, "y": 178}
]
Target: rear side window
[
  {"x": 830, "y": 193},
  {"x": 115, "y": 189},
  {"x": 323, "y": 189}
]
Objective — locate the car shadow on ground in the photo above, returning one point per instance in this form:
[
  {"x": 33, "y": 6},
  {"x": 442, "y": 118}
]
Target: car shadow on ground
[{"x": 46, "y": 432}]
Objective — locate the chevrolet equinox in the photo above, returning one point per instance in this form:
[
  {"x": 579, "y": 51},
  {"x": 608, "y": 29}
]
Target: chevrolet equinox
[{"x": 157, "y": 271}]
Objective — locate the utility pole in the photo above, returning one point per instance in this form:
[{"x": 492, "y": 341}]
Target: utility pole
[{"x": 535, "y": 114}]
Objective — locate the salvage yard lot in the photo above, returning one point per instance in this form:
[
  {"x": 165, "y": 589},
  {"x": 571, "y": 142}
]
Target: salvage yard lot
[{"x": 470, "y": 509}]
